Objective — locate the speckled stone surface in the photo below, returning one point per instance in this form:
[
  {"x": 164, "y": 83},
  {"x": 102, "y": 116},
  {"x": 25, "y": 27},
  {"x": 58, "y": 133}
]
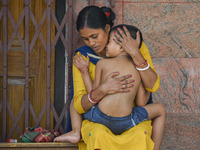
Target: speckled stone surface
[
  {"x": 181, "y": 132},
  {"x": 170, "y": 29},
  {"x": 180, "y": 84},
  {"x": 179, "y": 92}
]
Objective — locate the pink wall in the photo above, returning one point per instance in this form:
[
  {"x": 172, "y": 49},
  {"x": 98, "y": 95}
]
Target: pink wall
[{"x": 171, "y": 31}]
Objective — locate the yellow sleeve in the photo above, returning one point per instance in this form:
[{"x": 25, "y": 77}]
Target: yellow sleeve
[
  {"x": 145, "y": 53},
  {"x": 79, "y": 86}
]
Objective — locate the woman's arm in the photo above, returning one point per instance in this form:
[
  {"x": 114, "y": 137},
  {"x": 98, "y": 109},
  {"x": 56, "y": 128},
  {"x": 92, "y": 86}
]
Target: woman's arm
[
  {"x": 151, "y": 71},
  {"x": 142, "y": 96},
  {"x": 149, "y": 77},
  {"x": 112, "y": 85}
]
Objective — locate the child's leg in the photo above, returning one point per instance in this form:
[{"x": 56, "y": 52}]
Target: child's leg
[
  {"x": 73, "y": 136},
  {"x": 157, "y": 112}
]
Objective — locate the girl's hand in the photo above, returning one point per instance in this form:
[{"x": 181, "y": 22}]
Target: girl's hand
[
  {"x": 115, "y": 84},
  {"x": 81, "y": 64},
  {"x": 130, "y": 45}
]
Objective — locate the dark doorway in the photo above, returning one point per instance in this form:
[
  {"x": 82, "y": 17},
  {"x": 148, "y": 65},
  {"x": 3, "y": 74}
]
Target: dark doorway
[{"x": 59, "y": 91}]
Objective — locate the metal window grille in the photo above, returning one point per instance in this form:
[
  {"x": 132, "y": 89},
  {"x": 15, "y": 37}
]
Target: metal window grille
[{"x": 69, "y": 42}]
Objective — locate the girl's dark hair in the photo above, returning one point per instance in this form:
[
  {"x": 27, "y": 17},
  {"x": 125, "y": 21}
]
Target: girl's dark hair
[
  {"x": 132, "y": 29},
  {"x": 95, "y": 17}
]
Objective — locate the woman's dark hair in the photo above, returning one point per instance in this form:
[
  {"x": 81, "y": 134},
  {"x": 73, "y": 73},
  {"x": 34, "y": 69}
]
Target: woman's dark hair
[
  {"x": 132, "y": 29},
  {"x": 95, "y": 17}
]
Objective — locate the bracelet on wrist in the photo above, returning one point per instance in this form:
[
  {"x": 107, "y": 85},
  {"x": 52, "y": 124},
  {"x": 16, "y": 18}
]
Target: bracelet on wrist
[
  {"x": 145, "y": 62},
  {"x": 143, "y": 69},
  {"x": 90, "y": 99}
]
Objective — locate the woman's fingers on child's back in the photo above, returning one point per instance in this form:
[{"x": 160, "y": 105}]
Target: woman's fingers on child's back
[
  {"x": 122, "y": 78},
  {"x": 128, "y": 82},
  {"x": 124, "y": 90},
  {"x": 113, "y": 74}
]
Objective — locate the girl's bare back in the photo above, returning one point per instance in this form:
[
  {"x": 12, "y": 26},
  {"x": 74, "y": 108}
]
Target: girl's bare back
[{"x": 119, "y": 104}]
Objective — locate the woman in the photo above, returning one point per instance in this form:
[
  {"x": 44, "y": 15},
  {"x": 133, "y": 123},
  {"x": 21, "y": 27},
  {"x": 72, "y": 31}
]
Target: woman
[{"x": 93, "y": 24}]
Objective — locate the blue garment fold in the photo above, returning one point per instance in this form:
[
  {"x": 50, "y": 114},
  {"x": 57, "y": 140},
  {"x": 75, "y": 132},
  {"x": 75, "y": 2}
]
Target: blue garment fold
[{"x": 85, "y": 50}]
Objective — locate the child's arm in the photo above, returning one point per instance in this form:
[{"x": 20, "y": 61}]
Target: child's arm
[
  {"x": 83, "y": 67},
  {"x": 142, "y": 96},
  {"x": 97, "y": 79}
]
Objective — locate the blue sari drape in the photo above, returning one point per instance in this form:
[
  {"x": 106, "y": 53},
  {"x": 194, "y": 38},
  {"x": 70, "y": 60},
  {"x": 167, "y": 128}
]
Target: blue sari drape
[{"x": 85, "y": 50}]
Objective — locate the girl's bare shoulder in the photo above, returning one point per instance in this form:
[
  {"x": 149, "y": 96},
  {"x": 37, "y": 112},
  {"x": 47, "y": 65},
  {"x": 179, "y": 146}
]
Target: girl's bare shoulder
[{"x": 105, "y": 60}]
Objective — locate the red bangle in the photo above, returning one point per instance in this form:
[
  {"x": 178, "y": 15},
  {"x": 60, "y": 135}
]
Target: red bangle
[
  {"x": 142, "y": 64},
  {"x": 90, "y": 99}
]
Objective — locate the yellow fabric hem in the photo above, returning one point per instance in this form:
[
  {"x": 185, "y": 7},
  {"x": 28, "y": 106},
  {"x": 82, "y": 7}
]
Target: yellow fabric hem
[
  {"x": 97, "y": 136},
  {"x": 155, "y": 87}
]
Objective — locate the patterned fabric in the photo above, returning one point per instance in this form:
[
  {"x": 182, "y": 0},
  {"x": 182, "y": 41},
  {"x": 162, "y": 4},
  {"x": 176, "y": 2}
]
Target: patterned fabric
[{"x": 38, "y": 135}]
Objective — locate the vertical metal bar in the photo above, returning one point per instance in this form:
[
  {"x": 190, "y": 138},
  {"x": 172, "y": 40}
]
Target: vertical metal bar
[
  {"x": 70, "y": 41},
  {"x": 27, "y": 51},
  {"x": 48, "y": 63},
  {"x": 5, "y": 64}
]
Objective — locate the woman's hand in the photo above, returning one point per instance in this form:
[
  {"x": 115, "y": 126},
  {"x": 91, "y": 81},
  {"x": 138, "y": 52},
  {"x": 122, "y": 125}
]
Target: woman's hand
[
  {"x": 81, "y": 64},
  {"x": 130, "y": 45},
  {"x": 112, "y": 85},
  {"x": 115, "y": 84}
]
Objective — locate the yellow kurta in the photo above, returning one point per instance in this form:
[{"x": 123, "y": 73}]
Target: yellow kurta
[{"x": 97, "y": 136}]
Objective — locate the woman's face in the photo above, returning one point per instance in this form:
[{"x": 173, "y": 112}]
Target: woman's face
[{"x": 95, "y": 38}]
